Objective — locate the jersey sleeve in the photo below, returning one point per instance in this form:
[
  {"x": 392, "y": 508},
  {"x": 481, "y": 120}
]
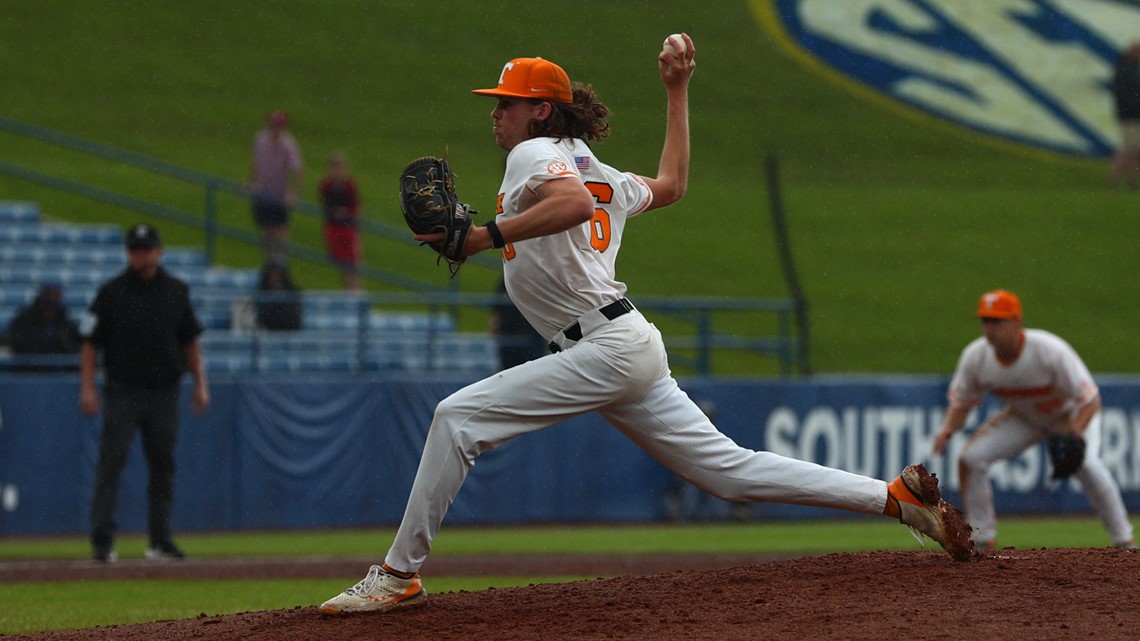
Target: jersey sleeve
[
  {"x": 637, "y": 193},
  {"x": 965, "y": 392},
  {"x": 188, "y": 326},
  {"x": 540, "y": 161},
  {"x": 1072, "y": 378}
]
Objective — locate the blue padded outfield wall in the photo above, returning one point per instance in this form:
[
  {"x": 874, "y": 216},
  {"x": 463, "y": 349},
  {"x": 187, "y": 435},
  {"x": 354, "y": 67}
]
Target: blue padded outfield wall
[{"x": 338, "y": 451}]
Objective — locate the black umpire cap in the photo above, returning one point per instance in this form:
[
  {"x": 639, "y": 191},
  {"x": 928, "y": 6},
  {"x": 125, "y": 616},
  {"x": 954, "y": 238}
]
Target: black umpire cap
[{"x": 143, "y": 237}]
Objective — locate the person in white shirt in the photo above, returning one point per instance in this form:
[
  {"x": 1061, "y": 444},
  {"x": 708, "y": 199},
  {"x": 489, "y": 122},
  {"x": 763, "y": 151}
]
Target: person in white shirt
[{"x": 1045, "y": 388}]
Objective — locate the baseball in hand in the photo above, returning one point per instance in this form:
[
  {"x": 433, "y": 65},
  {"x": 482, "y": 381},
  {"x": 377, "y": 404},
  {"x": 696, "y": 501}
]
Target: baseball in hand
[{"x": 674, "y": 45}]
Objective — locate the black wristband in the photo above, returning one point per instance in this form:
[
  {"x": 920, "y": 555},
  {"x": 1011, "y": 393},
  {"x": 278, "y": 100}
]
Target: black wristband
[{"x": 496, "y": 236}]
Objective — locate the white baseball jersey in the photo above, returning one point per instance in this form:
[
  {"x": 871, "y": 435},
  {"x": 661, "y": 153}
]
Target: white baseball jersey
[
  {"x": 555, "y": 279},
  {"x": 1047, "y": 383},
  {"x": 619, "y": 368}
]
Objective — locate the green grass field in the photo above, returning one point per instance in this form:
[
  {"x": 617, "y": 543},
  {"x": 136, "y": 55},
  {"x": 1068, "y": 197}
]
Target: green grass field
[
  {"x": 93, "y": 603},
  {"x": 898, "y": 221}
]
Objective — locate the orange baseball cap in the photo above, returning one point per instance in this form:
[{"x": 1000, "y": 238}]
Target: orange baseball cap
[
  {"x": 999, "y": 304},
  {"x": 532, "y": 78}
]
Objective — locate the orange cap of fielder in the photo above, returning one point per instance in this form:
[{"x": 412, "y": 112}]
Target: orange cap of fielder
[
  {"x": 532, "y": 78},
  {"x": 999, "y": 304}
]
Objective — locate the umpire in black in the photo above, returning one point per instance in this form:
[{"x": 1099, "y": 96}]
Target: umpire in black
[{"x": 143, "y": 322}]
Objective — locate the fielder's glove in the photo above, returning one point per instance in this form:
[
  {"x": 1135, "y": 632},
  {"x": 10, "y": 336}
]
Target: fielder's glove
[
  {"x": 1067, "y": 451},
  {"x": 430, "y": 205}
]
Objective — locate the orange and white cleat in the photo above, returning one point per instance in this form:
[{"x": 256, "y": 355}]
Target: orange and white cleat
[
  {"x": 380, "y": 591},
  {"x": 922, "y": 509}
]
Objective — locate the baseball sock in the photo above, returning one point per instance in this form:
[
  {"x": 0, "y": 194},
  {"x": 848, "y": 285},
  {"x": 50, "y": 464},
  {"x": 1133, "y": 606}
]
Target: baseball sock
[
  {"x": 896, "y": 491},
  {"x": 892, "y": 507},
  {"x": 402, "y": 575}
]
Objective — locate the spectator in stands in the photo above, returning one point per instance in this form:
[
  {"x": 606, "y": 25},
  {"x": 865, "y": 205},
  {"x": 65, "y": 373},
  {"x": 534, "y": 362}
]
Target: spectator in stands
[
  {"x": 1126, "y": 99},
  {"x": 275, "y": 182},
  {"x": 145, "y": 325},
  {"x": 518, "y": 342},
  {"x": 341, "y": 206},
  {"x": 44, "y": 328},
  {"x": 278, "y": 300}
]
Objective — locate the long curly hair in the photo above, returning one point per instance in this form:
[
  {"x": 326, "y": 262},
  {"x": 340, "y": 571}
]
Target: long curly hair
[{"x": 584, "y": 118}]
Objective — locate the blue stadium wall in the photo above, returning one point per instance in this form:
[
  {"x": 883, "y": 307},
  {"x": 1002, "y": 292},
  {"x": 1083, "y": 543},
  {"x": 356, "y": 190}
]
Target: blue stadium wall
[{"x": 331, "y": 451}]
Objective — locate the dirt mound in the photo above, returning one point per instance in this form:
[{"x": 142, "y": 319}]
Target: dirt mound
[{"x": 1009, "y": 594}]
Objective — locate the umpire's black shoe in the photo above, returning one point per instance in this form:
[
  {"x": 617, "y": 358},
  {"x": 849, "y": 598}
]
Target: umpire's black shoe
[
  {"x": 165, "y": 551},
  {"x": 104, "y": 554}
]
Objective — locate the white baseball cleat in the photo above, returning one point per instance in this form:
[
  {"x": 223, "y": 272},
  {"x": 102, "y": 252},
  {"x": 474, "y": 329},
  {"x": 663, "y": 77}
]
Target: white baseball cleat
[{"x": 380, "y": 591}]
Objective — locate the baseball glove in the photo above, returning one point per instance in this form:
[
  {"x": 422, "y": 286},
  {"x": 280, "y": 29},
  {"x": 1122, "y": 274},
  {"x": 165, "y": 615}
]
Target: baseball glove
[
  {"x": 1067, "y": 451},
  {"x": 430, "y": 204}
]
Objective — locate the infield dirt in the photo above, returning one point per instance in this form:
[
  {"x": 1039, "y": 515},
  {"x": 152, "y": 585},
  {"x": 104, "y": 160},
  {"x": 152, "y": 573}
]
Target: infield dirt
[{"x": 1012, "y": 595}]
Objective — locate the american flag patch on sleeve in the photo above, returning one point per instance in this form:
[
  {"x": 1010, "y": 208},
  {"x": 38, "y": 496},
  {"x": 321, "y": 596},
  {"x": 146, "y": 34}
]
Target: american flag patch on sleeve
[{"x": 582, "y": 163}]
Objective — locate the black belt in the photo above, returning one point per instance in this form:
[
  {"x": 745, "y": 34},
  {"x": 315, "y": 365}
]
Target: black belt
[{"x": 620, "y": 307}]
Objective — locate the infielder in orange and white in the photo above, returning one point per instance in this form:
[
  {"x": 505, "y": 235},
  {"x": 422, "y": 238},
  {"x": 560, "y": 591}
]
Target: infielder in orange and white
[
  {"x": 562, "y": 213},
  {"x": 1045, "y": 388}
]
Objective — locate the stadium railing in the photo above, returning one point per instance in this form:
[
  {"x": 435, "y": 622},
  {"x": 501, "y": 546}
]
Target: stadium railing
[{"x": 694, "y": 346}]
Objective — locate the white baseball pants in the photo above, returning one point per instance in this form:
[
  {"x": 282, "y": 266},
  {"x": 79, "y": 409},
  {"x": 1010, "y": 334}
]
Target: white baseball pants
[
  {"x": 620, "y": 370},
  {"x": 1006, "y": 436}
]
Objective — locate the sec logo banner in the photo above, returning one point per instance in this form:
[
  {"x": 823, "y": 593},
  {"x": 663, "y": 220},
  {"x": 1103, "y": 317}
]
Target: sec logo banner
[{"x": 1036, "y": 72}]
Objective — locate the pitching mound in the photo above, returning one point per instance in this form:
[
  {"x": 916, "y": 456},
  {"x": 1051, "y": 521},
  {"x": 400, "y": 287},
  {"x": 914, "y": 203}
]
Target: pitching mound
[{"x": 1011, "y": 595}]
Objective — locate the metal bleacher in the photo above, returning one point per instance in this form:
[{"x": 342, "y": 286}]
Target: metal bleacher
[{"x": 341, "y": 331}]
